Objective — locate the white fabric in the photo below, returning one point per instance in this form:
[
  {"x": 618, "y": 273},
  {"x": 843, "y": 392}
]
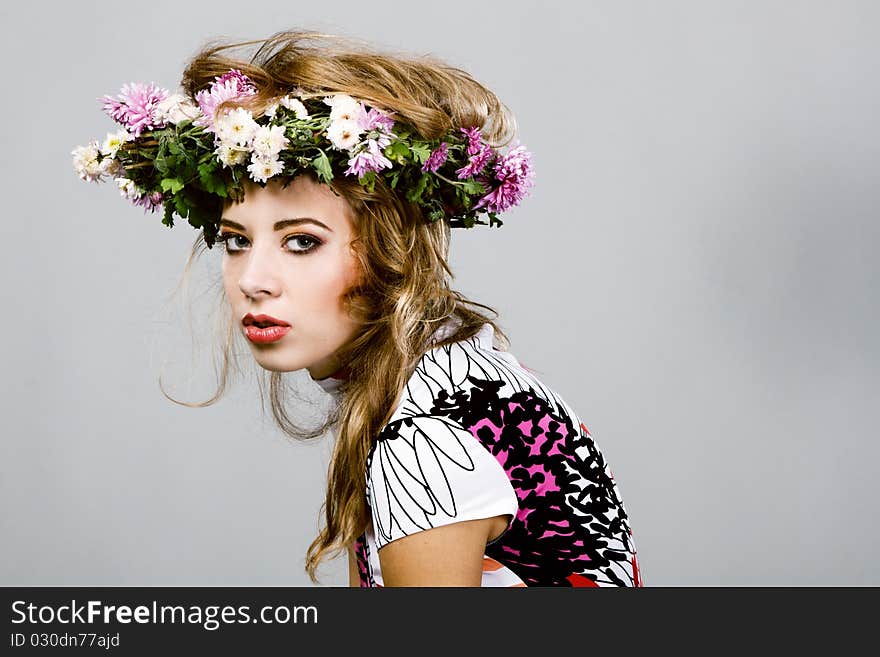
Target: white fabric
[{"x": 432, "y": 473}]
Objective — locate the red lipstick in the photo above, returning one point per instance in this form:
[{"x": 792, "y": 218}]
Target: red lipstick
[{"x": 263, "y": 329}]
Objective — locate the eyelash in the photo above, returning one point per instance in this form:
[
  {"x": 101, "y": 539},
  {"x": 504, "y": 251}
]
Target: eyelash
[{"x": 225, "y": 237}]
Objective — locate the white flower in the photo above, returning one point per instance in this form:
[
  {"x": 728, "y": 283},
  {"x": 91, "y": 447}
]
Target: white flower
[
  {"x": 296, "y": 105},
  {"x": 344, "y": 134},
  {"x": 236, "y": 127},
  {"x": 128, "y": 188},
  {"x": 114, "y": 140},
  {"x": 262, "y": 169},
  {"x": 112, "y": 167},
  {"x": 269, "y": 140},
  {"x": 344, "y": 107},
  {"x": 290, "y": 103},
  {"x": 85, "y": 162},
  {"x": 230, "y": 156},
  {"x": 176, "y": 108}
]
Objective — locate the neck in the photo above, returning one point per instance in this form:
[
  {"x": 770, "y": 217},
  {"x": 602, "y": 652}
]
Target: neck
[{"x": 341, "y": 373}]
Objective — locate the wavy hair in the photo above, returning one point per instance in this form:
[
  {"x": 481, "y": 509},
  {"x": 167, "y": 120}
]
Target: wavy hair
[{"x": 404, "y": 292}]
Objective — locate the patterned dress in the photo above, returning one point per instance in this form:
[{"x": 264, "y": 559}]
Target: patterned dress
[{"x": 476, "y": 435}]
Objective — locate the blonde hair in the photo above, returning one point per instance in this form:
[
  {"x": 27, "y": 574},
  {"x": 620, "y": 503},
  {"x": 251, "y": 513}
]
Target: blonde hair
[{"x": 404, "y": 293}]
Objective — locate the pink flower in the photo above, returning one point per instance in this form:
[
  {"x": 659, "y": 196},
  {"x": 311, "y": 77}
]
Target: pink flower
[
  {"x": 514, "y": 175},
  {"x": 479, "y": 151},
  {"x": 369, "y": 158},
  {"x": 135, "y": 107},
  {"x": 368, "y": 155},
  {"x": 232, "y": 84},
  {"x": 375, "y": 119},
  {"x": 475, "y": 139},
  {"x": 150, "y": 202},
  {"x": 242, "y": 81},
  {"x": 476, "y": 163},
  {"x": 436, "y": 158}
]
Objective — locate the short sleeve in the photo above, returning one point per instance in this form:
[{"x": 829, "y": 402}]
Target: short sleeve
[{"x": 428, "y": 471}]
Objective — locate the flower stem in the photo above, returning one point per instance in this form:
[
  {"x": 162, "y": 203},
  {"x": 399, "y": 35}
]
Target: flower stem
[{"x": 442, "y": 177}]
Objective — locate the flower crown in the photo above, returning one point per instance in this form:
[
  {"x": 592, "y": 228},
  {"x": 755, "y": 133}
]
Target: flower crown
[{"x": 187, "y": 158}]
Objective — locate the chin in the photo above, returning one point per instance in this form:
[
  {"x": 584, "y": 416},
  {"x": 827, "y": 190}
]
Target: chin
[{"x": 275, "y": 362}]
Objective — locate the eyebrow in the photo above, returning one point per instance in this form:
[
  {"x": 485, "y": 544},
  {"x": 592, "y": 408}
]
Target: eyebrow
[{"x": 279, "y": 225}]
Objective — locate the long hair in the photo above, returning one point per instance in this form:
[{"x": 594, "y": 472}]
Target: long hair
[{"x": 404, "y": 292}]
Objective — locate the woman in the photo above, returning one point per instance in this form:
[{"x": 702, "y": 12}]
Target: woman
[{"x": 332, "y": 174}]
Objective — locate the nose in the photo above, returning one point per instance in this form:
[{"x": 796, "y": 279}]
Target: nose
[{"x": 260, "y": 274}]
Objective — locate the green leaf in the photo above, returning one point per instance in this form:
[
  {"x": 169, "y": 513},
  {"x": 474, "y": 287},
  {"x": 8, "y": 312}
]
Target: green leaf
[
  {"x": 321, "y": 164},
  {"x": 436, "y": 214},
  {"x": 473, "y": 187},
  {"x": 415, "y": 193},
  {"x": 368, "y": 180},
  {"x": 180, "y": 205},
  {"x": 168, "y": 218},
  {"x": 172, "y": 184},
  {"x": 397, "y": 151},
  {"x": 421, "y": 151},
  {"x": 212, "y": 182},
  {"x": 161, "y": 164}
]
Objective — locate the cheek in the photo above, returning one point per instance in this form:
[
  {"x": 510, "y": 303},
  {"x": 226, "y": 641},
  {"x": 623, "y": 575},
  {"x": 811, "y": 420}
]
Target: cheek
[
  {"x": 230, "y": 279},
  {"x": 325, "y": 288}
]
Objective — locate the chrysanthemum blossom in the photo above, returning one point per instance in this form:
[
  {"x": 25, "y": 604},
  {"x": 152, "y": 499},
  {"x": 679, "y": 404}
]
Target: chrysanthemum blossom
[
  {"x": 86, "y": 162},
  {"x": 229, "y": 86},
  {"x": 514, "y": 175},
  {"x": 368, "y": 158},
  {"x": 343, "y": 107},
  {"x": 296, "y": 106},
  {"x": 261, "y": 169},
  {"x": 128, "y": 189},
  {"x": 236, "y": 127},
  {"x": 149, "y": 202},
  {"x": 368, "y": 154},
  {"x": 475, "y": 139},
  {"x": 241, "y": 81},
  {"x": 437, "y": 157},
  {"x": 114, "y": 140},
  {"x": 476, "y": 163},
  {"x": 375, "y": 119},
  {"x": 177, "y": 108},
  {"x": 343, "y": 134},
  {"x": 479, "y": 152},
  {"x": 112, "y": 168},
  {"x": 269, "y": 140},
  {"x": 229, "y": 156},
  {"x": 135, "y": 107}
]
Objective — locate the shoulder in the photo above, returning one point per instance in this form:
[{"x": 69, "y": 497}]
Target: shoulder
[
  {"x": 471, "y": 377},
  {"x": 427, "y": 469}
]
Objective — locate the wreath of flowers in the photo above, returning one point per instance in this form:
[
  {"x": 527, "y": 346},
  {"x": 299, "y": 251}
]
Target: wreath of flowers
[{"x": 185, "y": 158}]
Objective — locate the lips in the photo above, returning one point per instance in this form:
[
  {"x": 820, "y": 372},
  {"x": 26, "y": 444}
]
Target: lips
[{"x": 262, "y": 321}]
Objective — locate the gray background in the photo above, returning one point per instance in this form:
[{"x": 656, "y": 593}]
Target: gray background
[{"x": 694, "y": 272}]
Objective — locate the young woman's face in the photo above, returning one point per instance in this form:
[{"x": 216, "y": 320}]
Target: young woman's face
[{"x": 287, "y": 255}]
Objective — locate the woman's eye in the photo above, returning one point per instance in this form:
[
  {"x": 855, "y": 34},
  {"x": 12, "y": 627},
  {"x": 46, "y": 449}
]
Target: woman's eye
[
  {"x": 310, "y": 243},
  {"x": 235, "y": 242},
  {"x": 226, "y": 238}
]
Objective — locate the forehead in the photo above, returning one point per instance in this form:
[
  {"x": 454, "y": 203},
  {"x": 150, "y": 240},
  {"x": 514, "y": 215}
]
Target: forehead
[{"x": 302, "y": 197}]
